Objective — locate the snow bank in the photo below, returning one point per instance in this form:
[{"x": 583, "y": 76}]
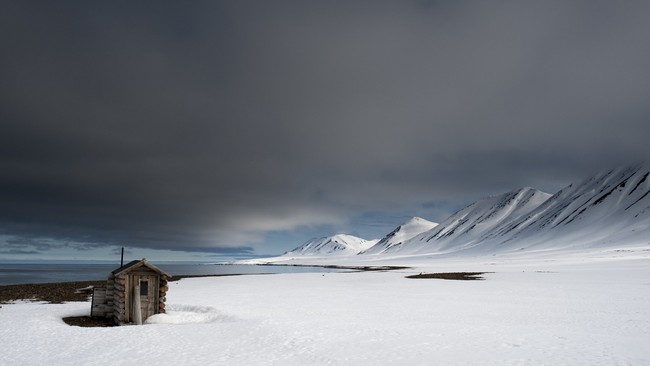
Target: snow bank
[{"x": 186, "y": 314}]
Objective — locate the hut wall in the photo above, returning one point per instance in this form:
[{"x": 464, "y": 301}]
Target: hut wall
[
  {"x": 110, "y": 288},
  {"x": 120, "y": 288},
  {"x": 162, "y": 294},
  {"x": 120, "y": 299},
  {"x": 99, "y": 307}
]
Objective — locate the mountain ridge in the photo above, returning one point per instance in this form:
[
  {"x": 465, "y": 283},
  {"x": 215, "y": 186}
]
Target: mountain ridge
[
  {"x": 608, "y": 209},
  {"x": 414, "y": 226},
  {"x": 469, "y": 225},
  {"x": 339, "y": 244}
]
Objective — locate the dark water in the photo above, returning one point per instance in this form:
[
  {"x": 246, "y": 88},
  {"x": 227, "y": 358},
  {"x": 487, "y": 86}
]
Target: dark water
[{"x": 13, "y": 274}]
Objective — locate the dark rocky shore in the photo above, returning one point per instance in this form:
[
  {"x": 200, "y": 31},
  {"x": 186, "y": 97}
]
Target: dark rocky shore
[
  {"x": 54, "y": 293},
  {"x": 59, "y": 292}
]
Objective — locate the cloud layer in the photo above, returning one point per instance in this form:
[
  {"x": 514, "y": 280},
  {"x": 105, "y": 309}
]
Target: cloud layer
[{"x": 207, "y": 126}]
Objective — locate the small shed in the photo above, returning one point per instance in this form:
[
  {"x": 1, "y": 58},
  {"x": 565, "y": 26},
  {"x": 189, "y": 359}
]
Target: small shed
[{"x": 133, "y": 293}]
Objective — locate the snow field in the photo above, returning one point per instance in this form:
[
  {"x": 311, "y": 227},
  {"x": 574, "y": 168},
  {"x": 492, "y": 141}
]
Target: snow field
[{"x": 564, "y": 312}]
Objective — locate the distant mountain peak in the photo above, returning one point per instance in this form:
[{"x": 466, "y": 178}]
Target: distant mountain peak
[
  {"x": 404, "y": 232},
  {"x": 415, "y": 219},
  {"x": 339, "y": 244}
]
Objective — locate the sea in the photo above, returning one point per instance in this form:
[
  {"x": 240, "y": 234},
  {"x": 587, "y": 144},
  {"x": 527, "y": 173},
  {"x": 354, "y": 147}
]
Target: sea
[{"x": 29, "y": 273}]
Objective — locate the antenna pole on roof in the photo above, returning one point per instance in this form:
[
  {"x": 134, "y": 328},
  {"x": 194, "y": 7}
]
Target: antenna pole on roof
[{"x": 122, "y": 258}]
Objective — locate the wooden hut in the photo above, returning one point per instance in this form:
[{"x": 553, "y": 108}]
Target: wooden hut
[{"x": 133, "y": 293}]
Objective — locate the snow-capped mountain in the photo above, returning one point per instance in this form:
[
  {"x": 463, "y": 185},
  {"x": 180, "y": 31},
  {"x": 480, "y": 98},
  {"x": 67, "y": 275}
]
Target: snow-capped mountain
[
  {"x": 340, "y": 244},
  {"x": 609, "y": 209},
  {"x": 469, "y": 226},
  {"x": 406, "y": 231}
]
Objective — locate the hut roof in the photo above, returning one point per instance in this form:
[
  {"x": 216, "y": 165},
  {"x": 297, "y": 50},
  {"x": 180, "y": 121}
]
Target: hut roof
[{"x": 137, "y": 264}]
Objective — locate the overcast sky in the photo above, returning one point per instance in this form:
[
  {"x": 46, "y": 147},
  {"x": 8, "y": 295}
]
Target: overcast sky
[{"x": 210, "y": 129}]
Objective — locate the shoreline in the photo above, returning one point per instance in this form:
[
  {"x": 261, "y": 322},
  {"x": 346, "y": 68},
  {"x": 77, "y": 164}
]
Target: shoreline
[
  {"x": 334, "y": 266},
  {"x": 60, "y": 292},
  {"x": 53, "y": 293}
]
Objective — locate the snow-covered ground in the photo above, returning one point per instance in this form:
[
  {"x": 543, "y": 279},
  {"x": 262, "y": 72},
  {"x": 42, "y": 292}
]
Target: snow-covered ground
[{"x": 572, "y": 309}]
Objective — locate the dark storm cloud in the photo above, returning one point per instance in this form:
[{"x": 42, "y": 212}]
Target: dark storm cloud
[{"x": 205, "y": 126}]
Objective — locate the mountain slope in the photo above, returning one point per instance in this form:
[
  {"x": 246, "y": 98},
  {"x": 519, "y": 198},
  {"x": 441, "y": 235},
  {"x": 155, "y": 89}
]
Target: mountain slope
[
  {"x": 469, "y": 226},
  {"x": 335, "y": 245},
  {"x": 611, "y": 209},
  {"x": 406, "y": 231},
  {"x": 606, "y": 209}
]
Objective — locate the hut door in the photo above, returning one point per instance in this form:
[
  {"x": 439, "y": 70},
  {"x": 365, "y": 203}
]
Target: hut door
[{"x": 147, "y": 293}]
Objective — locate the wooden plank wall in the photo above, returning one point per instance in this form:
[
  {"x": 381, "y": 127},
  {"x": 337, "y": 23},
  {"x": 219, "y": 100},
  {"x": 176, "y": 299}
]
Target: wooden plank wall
[
  {"x": 99, "y": 307},
  {"x": 110, "y": 290},
  {"x": 162, "y": 294},
  {"x": 120, "y": 299}
]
